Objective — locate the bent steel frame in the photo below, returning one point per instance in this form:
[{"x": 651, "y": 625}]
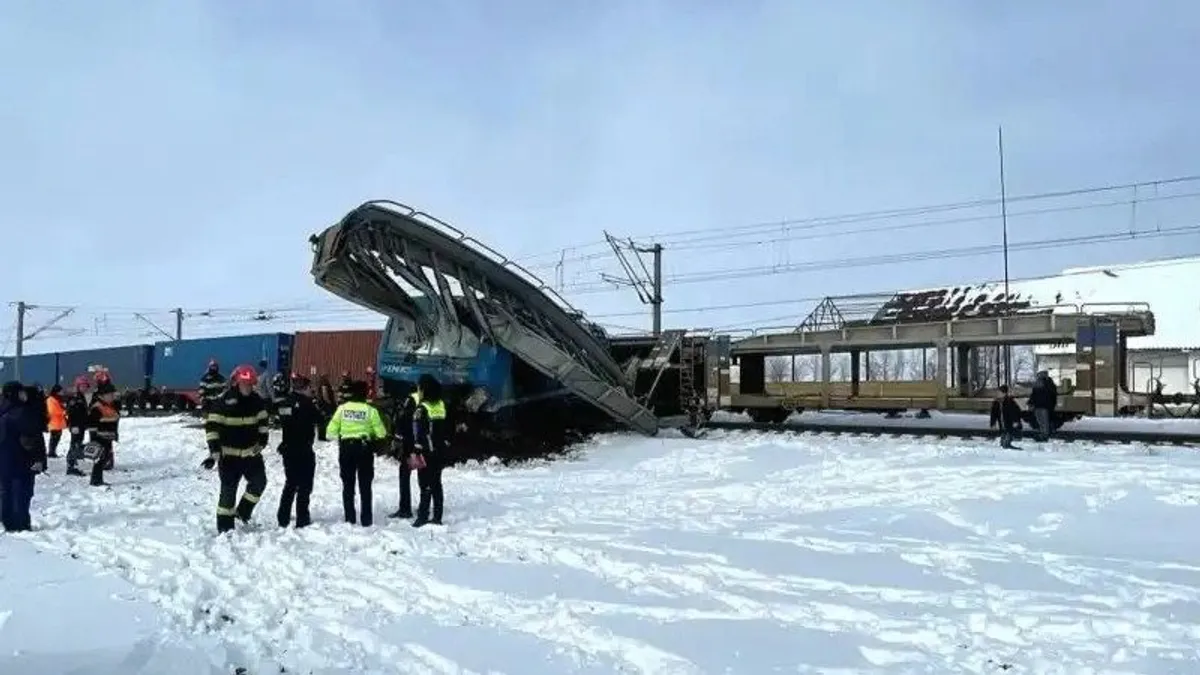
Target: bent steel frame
[{"x": 501, "y": 302}]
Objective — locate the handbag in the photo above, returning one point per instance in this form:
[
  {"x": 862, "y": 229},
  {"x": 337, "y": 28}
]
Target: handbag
[{"x": 416, "y": 462}]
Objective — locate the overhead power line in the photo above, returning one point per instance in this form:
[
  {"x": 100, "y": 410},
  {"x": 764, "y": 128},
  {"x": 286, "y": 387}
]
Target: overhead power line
[
  {"x": 675, "y": 237},
  {"x": 716, "y": 275}
]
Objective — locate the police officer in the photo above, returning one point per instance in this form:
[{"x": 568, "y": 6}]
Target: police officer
[
  {"x": 431, "y": 450},
  {"x": 402, "y": 448},
  {"x": 236, "y": 430},
  {"x": 357, "y": 426},
  {"x": 299, "y": 419},
  {"x": 212, "y": 387}
]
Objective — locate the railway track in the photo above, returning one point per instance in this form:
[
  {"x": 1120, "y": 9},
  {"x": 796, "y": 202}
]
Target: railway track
[{"x": 1064, "y": 434}]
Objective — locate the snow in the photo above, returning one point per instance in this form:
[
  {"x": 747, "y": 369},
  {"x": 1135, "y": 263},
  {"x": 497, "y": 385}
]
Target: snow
[
  {"x": 1163, "y": 285},
  {"x": 741, "y": 553}
]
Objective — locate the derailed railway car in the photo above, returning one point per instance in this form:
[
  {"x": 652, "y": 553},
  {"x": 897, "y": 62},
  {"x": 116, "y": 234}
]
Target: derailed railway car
[{"x": 526, "y": 365}]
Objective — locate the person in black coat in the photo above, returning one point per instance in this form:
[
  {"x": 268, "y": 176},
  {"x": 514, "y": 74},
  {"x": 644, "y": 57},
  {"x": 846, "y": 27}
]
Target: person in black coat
[
  {"x": 1043, "y": 400},
  {"x": 77, "y": 405},
  {"x": 431, "y": 449},
  {"x": 299, "y": 420},
  {"x": 22, "y": 456},
  {"x": 1006, "y": 415},
  {"x": 402, "y": 449}
]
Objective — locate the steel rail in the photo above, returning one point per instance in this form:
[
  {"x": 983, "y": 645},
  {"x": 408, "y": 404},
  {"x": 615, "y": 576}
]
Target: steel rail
[{"x": 1063, "y": 434}]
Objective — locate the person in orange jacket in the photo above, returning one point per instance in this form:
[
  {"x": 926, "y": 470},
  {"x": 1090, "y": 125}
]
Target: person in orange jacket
[{"x": 58, "y": 419}]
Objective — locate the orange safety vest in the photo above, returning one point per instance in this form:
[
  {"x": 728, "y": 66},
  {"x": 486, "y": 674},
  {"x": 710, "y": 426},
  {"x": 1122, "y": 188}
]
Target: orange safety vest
[{"x": 58, "y": 415}]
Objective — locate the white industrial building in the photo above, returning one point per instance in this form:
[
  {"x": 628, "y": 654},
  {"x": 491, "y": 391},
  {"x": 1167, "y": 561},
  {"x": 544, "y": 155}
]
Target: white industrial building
[{"x": 1170, "y": 287}]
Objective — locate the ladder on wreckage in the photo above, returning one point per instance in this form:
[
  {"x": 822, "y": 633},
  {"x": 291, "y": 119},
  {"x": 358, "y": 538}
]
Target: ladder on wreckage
[
  {"x": 659, "y": 360},
  {"x": 553, "y": 361}
]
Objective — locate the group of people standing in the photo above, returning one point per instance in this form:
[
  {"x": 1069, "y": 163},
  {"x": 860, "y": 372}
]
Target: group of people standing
[
  {"x": 1043, "y": 402},
  {"x": 28, "y": 415},
  {"x": 237, "y": 422}
]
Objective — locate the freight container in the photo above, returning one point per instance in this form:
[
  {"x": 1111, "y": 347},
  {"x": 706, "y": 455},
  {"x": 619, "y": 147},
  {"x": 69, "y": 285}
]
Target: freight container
[
  {"x": 129, "y": 367},
  {"x": 35, "y": 369},
  {"x": 179, "y": 364},
  {"x": 331, "y": 353}
]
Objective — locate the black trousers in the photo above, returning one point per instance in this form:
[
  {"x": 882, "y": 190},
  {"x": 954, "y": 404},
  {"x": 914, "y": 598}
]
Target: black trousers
[
  {"x": 430, "y": 481},
  {"x": 405, "y": 486},
  {"x": 75, "y": 449},
  {"x": 299, "y": 468},
  {"x": 16, "y": 496},
  {"x": 356, "y": 462},
  {"x": 231, "y": 471},
  {"x": 103, "y": 460},
  {"x": 55, "y": 437}
]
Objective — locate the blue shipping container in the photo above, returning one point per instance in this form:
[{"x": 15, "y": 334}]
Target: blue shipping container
[
  {"x": 178, "y": 365},
  {"x": 35, "y": 369},
  {"x": 130, "y": 367}
]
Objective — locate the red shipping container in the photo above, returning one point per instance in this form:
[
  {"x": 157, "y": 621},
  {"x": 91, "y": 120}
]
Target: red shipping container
[{"x": 331, "y": 353}]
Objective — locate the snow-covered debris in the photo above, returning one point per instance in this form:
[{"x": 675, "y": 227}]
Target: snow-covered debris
[{"x": 742, "y": 553}]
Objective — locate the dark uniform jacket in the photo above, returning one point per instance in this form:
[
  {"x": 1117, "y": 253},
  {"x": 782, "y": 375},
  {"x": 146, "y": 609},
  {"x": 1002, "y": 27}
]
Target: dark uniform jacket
[
  {"x": 402, "y": 425},
  {"x": 19, "y": 449},
  {"x": 237, "y": 425},
  {"x": 77, "y": 412},
  {"x": 1044, "y": 394},
  {"x": 431, "y": 429},
  {"x": 299, "y": 419},
  {"x": 212, "y": 387},
  {"x": 104, "y": 420},
  {"x": 1006, "y": 414}
]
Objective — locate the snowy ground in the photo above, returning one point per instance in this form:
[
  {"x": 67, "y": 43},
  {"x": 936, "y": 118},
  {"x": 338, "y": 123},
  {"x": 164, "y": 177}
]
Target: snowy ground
[{"x": 741, "y": 553}]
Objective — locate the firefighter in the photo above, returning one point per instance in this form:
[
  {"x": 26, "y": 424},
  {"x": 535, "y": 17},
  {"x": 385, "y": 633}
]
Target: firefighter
[
  {"x": 236, "y": 430},
  {"x": 345, "y": 387},
  {"x": 212, "y": 387},
  {"x": 299, "y": 419},
  {"x": 402, "y": 448},
  {"x": 358, "y": 427},
  {"x": 78, "y": 406},
  {"x": 431, "y": 448},
  {"x": 104, "y": 419}
]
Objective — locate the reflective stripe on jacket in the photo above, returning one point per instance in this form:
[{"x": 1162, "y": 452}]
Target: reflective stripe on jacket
[{"x": 356, "y": 420}]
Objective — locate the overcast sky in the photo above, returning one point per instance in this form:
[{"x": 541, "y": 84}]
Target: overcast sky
[{"x": 159, "y": 154}]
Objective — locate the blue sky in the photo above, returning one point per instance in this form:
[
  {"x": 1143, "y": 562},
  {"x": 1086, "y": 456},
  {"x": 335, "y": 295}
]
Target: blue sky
[{"x": 179, "y": 154}]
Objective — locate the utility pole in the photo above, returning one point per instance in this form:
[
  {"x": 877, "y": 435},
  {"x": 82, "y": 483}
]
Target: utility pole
[
  {"x": 22, "y": 309},
  {"x": 20, "y": 340},
  {"x": 1004, "y": 226},
  {"x": 656, "y": 302},
  {"x": 647, "y": 283},
  {"x": 178, "y": 323}
]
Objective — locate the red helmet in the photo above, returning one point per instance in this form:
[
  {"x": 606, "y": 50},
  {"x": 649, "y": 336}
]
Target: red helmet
[{"x": 244, "y": 373}]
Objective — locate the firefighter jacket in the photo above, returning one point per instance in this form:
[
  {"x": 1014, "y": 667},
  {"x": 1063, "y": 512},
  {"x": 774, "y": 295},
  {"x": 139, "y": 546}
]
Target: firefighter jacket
[
  {"x": 430, "y": 427},
  {"x": 104, "y": 418},
  {"x": 56, "y": 412},
  {"x": 237, "y": 426},
  {"x": 77, "y": 412},
  {"x": 345, "y": 388},
  {"x": 356, "y": 420},
  {"x": 212, "y": 387},
  {"x": 298, "y": 419}
]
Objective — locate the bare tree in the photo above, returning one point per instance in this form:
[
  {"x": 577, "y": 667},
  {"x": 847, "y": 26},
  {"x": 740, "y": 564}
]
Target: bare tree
[
  {"x": 779, "y": 368},
  {"x": 808, "y": 368}
]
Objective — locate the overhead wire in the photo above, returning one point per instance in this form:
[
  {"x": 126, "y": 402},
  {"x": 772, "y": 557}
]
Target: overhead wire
[{"x": 684, "y": 236}]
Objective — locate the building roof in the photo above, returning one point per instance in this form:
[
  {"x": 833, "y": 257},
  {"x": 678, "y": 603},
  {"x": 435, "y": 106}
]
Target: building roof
[{"x": 1171, "y": 289}]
